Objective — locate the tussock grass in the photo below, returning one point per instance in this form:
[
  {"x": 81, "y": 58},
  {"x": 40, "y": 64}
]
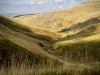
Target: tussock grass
[
  {"x": 11, "y": 53},
  {"x": 93, "y": 69},
  {"x": 88, "y": 51},
  {"x": 15, "y": 60}
]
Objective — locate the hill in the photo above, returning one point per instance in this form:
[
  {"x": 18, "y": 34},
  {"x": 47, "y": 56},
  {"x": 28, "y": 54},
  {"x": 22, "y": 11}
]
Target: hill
[
  {"x": 64, "y": 42},
  {"x": 82, "y": 39},
  {"x": 58, "y": 20},
  {"x": 17, "y": 40},
  {"x": 79, "y": 26}
]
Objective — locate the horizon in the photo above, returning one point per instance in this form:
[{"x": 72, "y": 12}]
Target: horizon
[{"x": 36, "y": 6}]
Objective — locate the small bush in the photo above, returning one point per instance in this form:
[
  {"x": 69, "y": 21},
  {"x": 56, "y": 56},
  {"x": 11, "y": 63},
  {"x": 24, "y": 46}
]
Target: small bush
[{"x": 60, "y": 24}]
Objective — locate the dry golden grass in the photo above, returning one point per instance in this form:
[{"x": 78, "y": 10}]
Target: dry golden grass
[
  {"x": 14, "y": 32},
  {"x": 78, "y": 50},
  {"x": 67, "y": 17}
]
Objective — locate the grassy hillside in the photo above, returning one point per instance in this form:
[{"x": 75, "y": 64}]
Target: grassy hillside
[
  {"x": 12, "y": 54},
  {"x": 17, "y": 46},
  {"x": 33, "y": 32},
  {"x": 58, "y": 20},
  {"x": 82, "y": 41},
  {"x": 65, "y": 42},
  {"x": 77, "y": 25}
]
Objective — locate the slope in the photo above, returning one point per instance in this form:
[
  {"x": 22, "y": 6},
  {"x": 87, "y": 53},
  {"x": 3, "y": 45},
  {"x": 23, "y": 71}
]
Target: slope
[
  {"x": 16, "y": 26},
  {"x": 82, "y": 40},
  {"x": 58, "y": 20},
  {"x": 79, "y": 27},
  {"x": 13, "y": 33}
]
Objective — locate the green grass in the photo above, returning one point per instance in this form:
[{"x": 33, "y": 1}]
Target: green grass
[
  {"x": 88, "y": 51},
  {"x": 10, "y": 52},
  {"x": 13, "y": 55}
]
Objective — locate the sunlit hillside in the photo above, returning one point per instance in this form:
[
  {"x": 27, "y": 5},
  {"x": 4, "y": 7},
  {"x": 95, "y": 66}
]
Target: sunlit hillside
[
  {"x": 77, "y": 25},
  {"x": 63, "y": 42},
  {"x": 58, "y": 20},
  {"x": 15, "y": 38}
]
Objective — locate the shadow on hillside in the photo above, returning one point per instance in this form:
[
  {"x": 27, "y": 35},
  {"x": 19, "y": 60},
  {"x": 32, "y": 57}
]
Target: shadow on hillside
[
  {"x": 83, "y": 33},
  {"x": 82, "y": 25}
]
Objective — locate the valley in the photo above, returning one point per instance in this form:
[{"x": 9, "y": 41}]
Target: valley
[{"x": 64, "y": 42}]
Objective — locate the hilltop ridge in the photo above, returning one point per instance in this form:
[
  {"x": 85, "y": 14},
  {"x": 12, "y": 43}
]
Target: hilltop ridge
[{"x": 58, "y": 20}]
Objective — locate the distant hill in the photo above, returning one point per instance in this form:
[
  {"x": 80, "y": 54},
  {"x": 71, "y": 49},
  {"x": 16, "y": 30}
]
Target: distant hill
[
  {"x": 8, "y": 14},
  {"x": 58, "y": 20}
]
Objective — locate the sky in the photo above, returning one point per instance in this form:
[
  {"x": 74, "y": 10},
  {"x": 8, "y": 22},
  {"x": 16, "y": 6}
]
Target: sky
[{"x": 35, "y": 6}]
